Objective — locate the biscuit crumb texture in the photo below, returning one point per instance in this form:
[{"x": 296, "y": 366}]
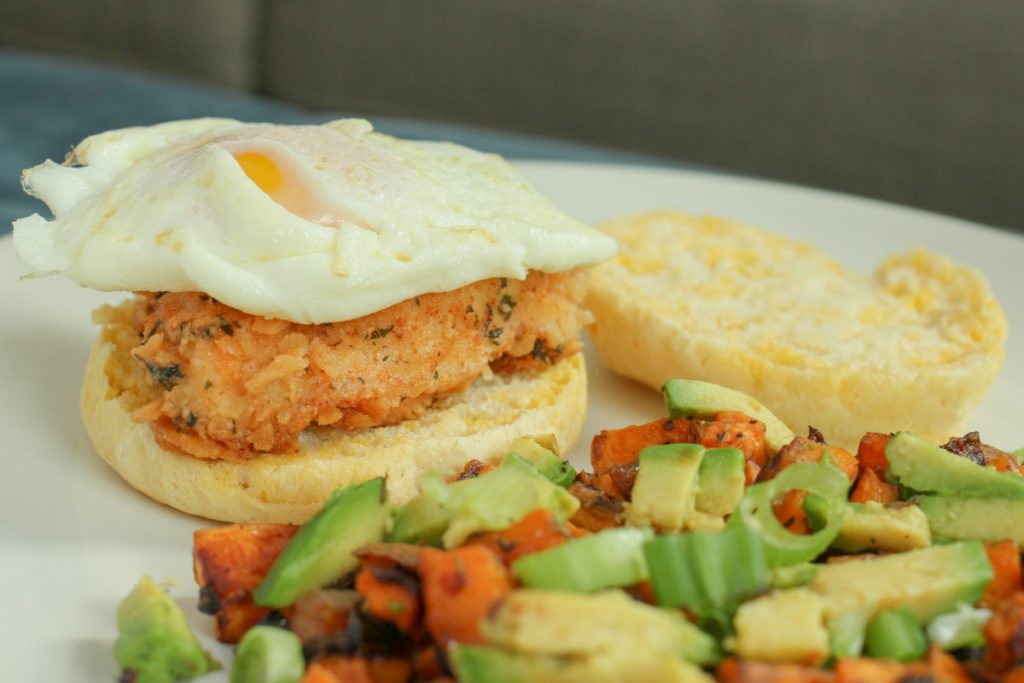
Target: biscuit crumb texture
[
  {"x": 914, "y": 346},
  {"x": 480, "y": 423}
]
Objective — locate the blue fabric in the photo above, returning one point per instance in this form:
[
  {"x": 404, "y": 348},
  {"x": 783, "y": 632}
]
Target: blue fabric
[{"x": 49, "y": 104}]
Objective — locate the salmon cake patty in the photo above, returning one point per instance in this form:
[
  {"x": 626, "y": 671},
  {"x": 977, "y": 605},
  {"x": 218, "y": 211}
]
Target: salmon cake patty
[{"x": 220, "y": 384}]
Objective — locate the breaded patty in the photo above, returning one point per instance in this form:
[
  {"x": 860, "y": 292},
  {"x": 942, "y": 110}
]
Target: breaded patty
[{"x": 218, "y": 383}]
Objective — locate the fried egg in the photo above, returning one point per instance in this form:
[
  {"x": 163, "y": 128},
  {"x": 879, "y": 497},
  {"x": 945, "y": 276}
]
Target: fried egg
[{"x": 310, "y": 224}]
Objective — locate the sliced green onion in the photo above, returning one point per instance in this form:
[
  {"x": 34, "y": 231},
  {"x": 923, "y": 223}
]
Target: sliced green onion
[
  {"x": 706, "y": 570},
  {"x": 607, "y": 559},
  {"x": 895, "y": 634},
  {"x": 267, "y": 654},
  {"x": 754, "y": 511},
  {"x": 821, "y": 478},
  {"x": 817, "y": 508}
]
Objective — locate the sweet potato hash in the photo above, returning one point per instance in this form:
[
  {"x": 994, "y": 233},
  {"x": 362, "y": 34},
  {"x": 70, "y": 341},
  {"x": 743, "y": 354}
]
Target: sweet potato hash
[{"x": 693, "y": 552}]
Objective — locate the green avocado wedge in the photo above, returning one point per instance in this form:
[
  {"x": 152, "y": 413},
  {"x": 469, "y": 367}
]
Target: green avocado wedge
[
  {"x": 542, "y": 452},
  {"x": 154, "y": 641},
  {"x": 500, "y": 498},
  {"x": 926, "y": 468},
  {"x": 488, "y": 664},
  {"x": 683, "y": 486},
  {"x": 875, "y": 527},
  {"x": 721, "y": 481},
  {"x": 927, "y": 581},
  {"x": 606, "y": 559},
  {"x": 569, "y": 624},
  {"x": 447, "y": 512},
  {"x": 665, "y": 487},
  {"x": 981, "y": 519},
  {"x": 784, "y": 625},
  {"x": 322, "y": 551},
  {"x": 694, "y": 398},
  {"x": 421, "y": 520}
]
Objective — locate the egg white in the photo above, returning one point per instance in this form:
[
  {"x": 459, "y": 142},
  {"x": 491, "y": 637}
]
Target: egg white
[{"x": 357, "y": 220}]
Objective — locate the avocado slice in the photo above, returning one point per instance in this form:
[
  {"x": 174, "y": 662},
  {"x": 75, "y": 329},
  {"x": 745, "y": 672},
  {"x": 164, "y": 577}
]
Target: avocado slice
[
  {"x": 607, "y": 559},
  {"x": 684, "y": 486},
  {"x": 499, "y": 499},
  {"x": 563, "y": 624},
  {"x": 784, "y": 626},
  {"x": 721, "y": 481},
  {"x": 422, "y": 520},
  {"x": 873, "y": 526},
  {"x": 446, "y": 513},
  {"x": 926, "y": 468},
  {"x": 154, "y": 641},
  {"x": 542, "y": 452},
  {"x": 487, "y": 664},
  {"x": 928, "y": 581},
  {"x": 665, "y": 489},
  {"x": 322, "y": 551},
  {"x": 983, "y": 519},
  {"x": 694, "y": 398}
]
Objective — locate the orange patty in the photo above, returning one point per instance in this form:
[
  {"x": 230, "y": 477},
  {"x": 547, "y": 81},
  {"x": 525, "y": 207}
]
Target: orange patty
[{"x": 223, "y": 384}]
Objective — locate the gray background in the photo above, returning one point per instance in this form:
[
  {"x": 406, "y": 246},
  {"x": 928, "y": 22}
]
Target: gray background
[{"x": 914, "y": 101}]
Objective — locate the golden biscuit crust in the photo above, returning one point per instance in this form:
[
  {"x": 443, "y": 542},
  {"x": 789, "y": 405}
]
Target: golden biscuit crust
[
  {"x": 913, "y": 346},
  {"x": 478, "y": 423}
]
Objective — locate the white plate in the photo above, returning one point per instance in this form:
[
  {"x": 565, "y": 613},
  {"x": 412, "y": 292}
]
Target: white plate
[{"x": 74, "y": 538}]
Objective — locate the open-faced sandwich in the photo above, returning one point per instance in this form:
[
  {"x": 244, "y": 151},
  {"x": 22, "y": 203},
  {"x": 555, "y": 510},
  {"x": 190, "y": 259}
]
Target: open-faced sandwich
[{"x": 313, "y": 306}]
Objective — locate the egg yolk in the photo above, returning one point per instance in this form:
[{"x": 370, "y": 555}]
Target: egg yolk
[
  {"x": 262, "y": 170},
  {"x": 286, "y": 187}
]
